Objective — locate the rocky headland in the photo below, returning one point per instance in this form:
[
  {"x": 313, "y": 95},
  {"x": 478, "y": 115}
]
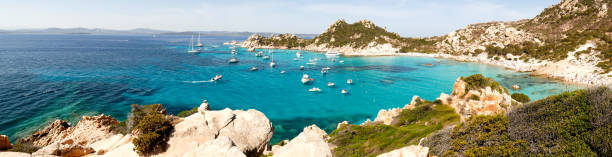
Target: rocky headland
[{"x": 570, "y": 41}]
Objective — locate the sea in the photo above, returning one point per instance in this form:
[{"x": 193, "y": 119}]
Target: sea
[{"x": 49, "y": 77}]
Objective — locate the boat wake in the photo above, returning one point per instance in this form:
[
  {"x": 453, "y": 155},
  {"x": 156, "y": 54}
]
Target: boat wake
[{"x": 198, "y": 81}]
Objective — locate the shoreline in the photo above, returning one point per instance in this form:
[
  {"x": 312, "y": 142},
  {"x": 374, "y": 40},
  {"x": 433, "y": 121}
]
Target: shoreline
[{"x": 570, "y": 70}]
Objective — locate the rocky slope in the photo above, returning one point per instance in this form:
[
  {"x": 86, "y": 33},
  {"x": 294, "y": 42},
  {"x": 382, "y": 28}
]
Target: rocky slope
[{"x": 570, "y": 41}]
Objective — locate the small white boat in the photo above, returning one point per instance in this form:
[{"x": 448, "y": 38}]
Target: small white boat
[
  {"x": 266, "y": 57},
  {"x": 311, "y": 63},
  {"x": 332, "y": 53},
  {"x": 314, "y": 89},
  {"x": 272, "y": 64},
  {"x": 349, "y": 81},
  {"x": 327, "y": 68},
  {"x": 215, "y": 46},
  {"x": 344, "y": 91},
  {"x": 298, "y": 54},
  {"x": 234, "y": 51},
  {"x": 301, "y": 67},
  {"x": 193, "y": 50},
  {"x": 233, "y": 60},
  {"x": 323, "y": 71},
  {"x": 259, "y": 54},
  {"x": 217, "y": 77},
  {"x": 330, "y": 84},
  {"x": 306, "y": 79},
  {"x": 341, "y": 61},
  {"x": 283, "y": 71},
  {"x": 252, "y": 49},
  {"x": 253, "y": 68}
]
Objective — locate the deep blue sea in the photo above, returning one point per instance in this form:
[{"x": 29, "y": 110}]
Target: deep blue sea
[{"x": 46, "y": 77}]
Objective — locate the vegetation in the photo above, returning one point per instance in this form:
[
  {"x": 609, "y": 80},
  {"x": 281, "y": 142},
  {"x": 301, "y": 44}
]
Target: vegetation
[
  {"x": 520, "y": 97},
  {"x": 187, "y": 113},
  {"x": 155, "y": 132},
  {"x": 574, "y": 123},
  {"x": 477, "y": 81},
  {"x": 26, "y": 147},
  {"x": 411, "y": 126},
  {"x": 120, "y": 128},
  {"x": 139, "y": 112}
]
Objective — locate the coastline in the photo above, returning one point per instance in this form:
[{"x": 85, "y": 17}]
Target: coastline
[{"x": 572, "y": 70}]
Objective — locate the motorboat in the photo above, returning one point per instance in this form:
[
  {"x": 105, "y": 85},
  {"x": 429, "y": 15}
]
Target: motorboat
[
  {"x": 298, "y": 54},
  {"x": 253, "y": 68},
  {"x": 306, "y": 79},
  {"x": 330, "y": 84},
  {"x": 259, "y": 54},
  {"x": 301, "y": 67},
  {"x": 341, "y": 61},
  {"x": 314, "y": 89},
  {"x": 283, "y": 71},
  {"x": 311, "y": 63},
  {"x": 217, "y": 77},
  {"x": 266, "y": 57},
  {"x": 327, "y": 68},
  {"x": 344, "y": 91},
  {"x": 349, "y": 81},
  {"x": 233, "y": 60},
  {"x": 323, "y": 71},
  {"x": 332, "y": 53}
]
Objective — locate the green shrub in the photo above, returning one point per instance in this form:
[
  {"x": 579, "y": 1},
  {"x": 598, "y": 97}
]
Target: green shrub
[
  {"x": 155, "y": 132},
  {"x": 520, "y": 97},
  {"x": 474, "y": 97},
  {"x": 411, "y": 126},
  {"x": 26, "y": 147},
  {"x": 187, "y": 113},
  {"x": 120, "y": 128},
  {"x": 477, "y": 81},
  {"x": 139, "y": 112},
  {"x": 484, "y": 136}
]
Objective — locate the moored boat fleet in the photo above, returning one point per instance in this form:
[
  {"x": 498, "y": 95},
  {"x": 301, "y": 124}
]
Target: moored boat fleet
[{"x": 269, "y": 55}]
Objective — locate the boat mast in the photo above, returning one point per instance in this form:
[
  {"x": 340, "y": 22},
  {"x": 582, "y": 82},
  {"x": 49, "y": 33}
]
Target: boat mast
[{"x": 191, "y": 42}]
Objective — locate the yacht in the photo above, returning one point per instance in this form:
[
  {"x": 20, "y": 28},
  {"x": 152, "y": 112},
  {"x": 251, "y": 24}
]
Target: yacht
[
  {"x": 314, "y": 89},
  {"x": 272, "y": 64},
  {"x": 306, "y": 79},
  {"x": 344, "y": 91},
  {"x": 332, "y": 53},
  {"x": 298, "y": 54},
  {"x": 259, "y": 54},
  {"x": 349, "y": 81},
  {"x": 330, "y": 84},
  {"x": 266, "y": 57},
  {"x": 301, "y": 67},
  {"x": 199, "y": 43},
  {"x": 233, "y": 60},
  {"x": 253, "y": 68},
  {"x": 192, "y": 49},
  {"x": 283, "y": 71}
]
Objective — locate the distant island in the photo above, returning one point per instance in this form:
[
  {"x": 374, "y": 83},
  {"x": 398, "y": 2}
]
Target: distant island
[
  {"x": 138, "y": 31},
  {"x": 570, "y": 41}
]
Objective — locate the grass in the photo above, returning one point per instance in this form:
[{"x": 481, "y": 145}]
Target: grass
[
  {"x": 520, "y": 97},
  {"x": 371, "y": 140}
]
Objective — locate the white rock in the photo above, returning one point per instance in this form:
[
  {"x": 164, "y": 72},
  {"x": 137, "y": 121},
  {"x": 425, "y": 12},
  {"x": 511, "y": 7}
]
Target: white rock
[
  {"x": 312, "y": 142},
  {"x": 220, "y": 147},
  {"x": 409, "y": 151}
]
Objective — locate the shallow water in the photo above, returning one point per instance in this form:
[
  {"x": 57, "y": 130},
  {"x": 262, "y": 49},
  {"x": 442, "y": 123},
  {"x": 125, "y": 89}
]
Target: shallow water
[{"x": 45, "y": 77}]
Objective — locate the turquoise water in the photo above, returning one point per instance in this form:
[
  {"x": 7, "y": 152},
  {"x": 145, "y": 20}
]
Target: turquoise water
[{"x": 44, "y": 77}]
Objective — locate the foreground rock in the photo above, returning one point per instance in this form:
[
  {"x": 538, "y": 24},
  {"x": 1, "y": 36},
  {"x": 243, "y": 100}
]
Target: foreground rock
[
  {"x": 5, "y": 142},
  {"x": 90, "y": 129},
  {"x": 312, "y": 142},
  {"x": 409, "y": 151}
]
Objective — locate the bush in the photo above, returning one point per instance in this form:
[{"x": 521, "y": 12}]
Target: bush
[
  {"x": 477, "y": 81},
  {"x": 187, "y": 113},
  {"x": 120, "y": 128},
  {"x": 26, "y": 147},
  {"x": 139, "y": 112},
  {"x": 155, "y": 132},
  {"x": 520, "y": 97},
  {"x": 484, "y": 136},
  {"x": 410, "y": 127}
]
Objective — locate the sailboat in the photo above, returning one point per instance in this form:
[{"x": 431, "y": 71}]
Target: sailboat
[
  {"x": 199, "y": 43},
  {"x": 272, "y": 63},
  {"x": 192, "y": 50}
]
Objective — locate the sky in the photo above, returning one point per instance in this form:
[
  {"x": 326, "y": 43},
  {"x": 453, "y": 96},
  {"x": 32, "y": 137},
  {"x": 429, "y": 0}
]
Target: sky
[{"x": 409, "y": 18}]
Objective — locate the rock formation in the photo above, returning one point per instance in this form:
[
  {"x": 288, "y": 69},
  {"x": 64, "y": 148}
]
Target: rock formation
[
  {"x": 483, "y": 101},
  {"x": 312, "y": 142},
  {"x": 5, "y": 142},
  {"x": 387, "y": 116}
]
